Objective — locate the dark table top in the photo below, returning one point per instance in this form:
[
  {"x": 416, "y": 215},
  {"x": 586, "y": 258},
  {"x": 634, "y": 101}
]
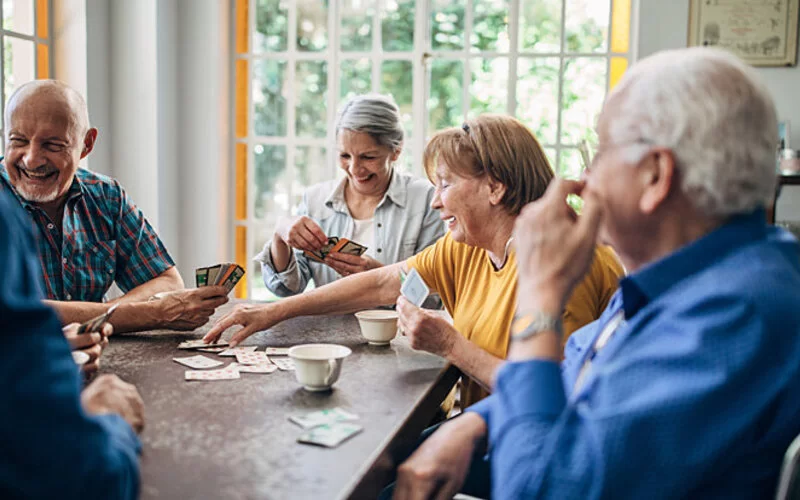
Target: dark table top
[{"x": 232, "y": 439}]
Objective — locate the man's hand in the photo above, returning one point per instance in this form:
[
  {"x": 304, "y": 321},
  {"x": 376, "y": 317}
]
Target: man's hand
[
  {"x": 190, "y": 309},
  {"x": 554, "y": 246},
  {"x": 346, "y": 264},
  {"x": 439, "y": 467},
  {"x": 109, "y": 394},
  {"x": 426, "y": 330},
  {"x": 301, "y": 233},
  {"x": 254, "y": 318},
  {"x": 90, "y": 343}
]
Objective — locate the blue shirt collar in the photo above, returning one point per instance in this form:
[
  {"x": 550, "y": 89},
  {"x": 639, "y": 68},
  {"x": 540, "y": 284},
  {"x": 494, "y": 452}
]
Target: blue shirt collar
[
  {"x": 658, "y": 277},
  {"x": 396, "y": 193}
]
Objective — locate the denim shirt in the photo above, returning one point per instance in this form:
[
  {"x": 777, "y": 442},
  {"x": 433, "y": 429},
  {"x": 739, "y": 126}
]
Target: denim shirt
[{"x": 404, "y": 224}]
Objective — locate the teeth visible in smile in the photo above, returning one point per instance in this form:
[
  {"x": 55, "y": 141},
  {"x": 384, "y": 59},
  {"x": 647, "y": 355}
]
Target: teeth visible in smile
[{"x": 450, "y": 220}]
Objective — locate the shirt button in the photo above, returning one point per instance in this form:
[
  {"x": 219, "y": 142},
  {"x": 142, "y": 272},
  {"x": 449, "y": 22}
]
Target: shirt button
[
  {"x": 51, "y": 226},
  {"x": 379, "y": 250},
  {"x": 69, "y": 297},
  {"x": 380, "y": 225},
  {"x": 63, "y": 260}
]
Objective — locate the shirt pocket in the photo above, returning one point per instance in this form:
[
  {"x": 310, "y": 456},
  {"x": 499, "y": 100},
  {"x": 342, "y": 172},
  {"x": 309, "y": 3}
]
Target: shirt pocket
[
  {"x": 95, "y": 265},
  {"x": 407, "y": 249}
]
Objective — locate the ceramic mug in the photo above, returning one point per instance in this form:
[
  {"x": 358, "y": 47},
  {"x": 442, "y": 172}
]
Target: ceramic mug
[
  {"x": 317, "y": 366},
  {"x": 378, "y": 326}
]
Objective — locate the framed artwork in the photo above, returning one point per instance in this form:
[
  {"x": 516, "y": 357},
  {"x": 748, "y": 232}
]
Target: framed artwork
[{"x": 762, "y": 32}]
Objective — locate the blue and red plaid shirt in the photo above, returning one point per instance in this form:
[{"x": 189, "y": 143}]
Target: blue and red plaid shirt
[{"x": 102, "y": 238}]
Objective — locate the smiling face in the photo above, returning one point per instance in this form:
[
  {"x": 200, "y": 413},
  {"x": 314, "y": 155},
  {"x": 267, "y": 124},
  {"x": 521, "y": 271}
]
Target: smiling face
[
  {"x": 44, "y": 145},
  {"x": 368, "y": 164}
]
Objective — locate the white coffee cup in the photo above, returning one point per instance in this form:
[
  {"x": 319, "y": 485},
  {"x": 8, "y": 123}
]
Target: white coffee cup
[
  {"x": 317, "y": 366},
  {"x": 378, "y": 326}
]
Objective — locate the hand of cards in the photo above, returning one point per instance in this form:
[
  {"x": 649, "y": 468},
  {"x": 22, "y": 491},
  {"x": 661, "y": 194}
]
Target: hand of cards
[
  {"x": 94, "y": 324},
  {"x": 226, "y": 274},
  {"x": 341, "y": 245}
]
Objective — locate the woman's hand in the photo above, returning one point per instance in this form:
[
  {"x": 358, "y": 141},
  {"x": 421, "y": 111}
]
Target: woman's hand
[
  {"x": 302, "y": 233},
  {"x": 254, "y": 318},
  {"x": 427, "y": 330},
  {"x": 346, "y": 264}
]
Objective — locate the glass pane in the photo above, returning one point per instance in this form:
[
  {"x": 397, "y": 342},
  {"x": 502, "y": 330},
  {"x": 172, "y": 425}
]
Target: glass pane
[
  {"x": 540, "y": 26},
  {"x": 445, "y": 101},
  {"x": 583, "y": 95},
  {"x": 272, "y": 182},
  {"x": 447, "y": 24},
  {"x": 570, "y": 165},
  {"x": 489, "y": 87},
  {"x": 312, "y": 25},
  {"x": 20, "y": 64},
  {"x": 398, "y": 25},
  {"x": 490, "y": 25},
  {"x": 396, "y": 78},
  {"x": 355, "y": 77},
  {"x": 269, "y": 103},
  {"x": 311, "y": 164},
  {"x": 537, "y": 96},
  {"x": 272, "y": 25},
  {"x": 311, "y": 82},
  {"x": 18, "y": 16},
  {"x": 357, "y": 24},
  {"x": 587, "y": 25},
  {"x": 551, "y": 155}
]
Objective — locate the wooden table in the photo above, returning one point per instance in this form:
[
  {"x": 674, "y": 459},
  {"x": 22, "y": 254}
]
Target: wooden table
[{"x": 232, "y": 439}]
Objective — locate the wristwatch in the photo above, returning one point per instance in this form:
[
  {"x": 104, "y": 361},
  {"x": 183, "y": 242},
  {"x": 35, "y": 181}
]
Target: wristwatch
[{"x": 529, "y": 325}]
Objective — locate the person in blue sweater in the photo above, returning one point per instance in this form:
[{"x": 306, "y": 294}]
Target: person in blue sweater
[
  {"x": 688, "y": 386},
  {"x": 57, "y": 441}
]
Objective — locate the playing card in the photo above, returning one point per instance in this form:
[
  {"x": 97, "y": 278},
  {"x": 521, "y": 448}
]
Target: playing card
[
  {"x": 235, "y": 275},
  {"x": 328, "y": 416},
  {"x": 351, "y": 248},
  {"x": 260, "y": 368},
  {"x": 198, "y": 361},
  {"x": 252, "y": 358},
  {"x": 221, "y": 374},
  {"x": 94, "y": 324},
  {"x": 213, "y": 271},
  {"x": 197, "y": 344},
  {"x": 277, "y": 351},
  {"x": 201, "y": 277},
  {"x": 224, "y": 273},
  {"x": 233, "y": 351},
  {"x": 283, "y": 364},
  {"x": 414, "y": 288},
  {"x": 213, "y": 349},
  {"x": 329, "y": 435},
  {"x": 320, "y": 254}
]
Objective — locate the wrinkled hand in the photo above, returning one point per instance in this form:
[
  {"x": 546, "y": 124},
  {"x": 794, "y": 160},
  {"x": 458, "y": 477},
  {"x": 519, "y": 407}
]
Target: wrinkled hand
[
  {"x": 301, "y": 233},
  {"x": 109, "y": 394},
  {"x": 190, "y": 309},
  {"x": 554, "y": 245},
  {"x": 346, "y": 264},
  {"x": 90, "y": 343},
  {"x": 426, "y": 330},
  {"x": 439, "y": 467},
  {"x": 254, "y": 318}
]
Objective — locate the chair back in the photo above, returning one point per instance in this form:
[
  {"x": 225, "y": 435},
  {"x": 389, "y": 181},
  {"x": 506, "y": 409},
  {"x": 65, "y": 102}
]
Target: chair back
[{"x": 789, "y": 481}]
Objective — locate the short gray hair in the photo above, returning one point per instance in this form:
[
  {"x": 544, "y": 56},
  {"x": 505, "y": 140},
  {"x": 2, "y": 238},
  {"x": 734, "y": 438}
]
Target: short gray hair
[
  {"x": 716, "y": 116},
  {"x": 374, "y": 114}
]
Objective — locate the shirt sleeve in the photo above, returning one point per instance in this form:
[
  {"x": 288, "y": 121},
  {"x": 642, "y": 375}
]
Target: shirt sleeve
[
  {"x": 51, "y": 448},
  {"x": 141, "y": 256},
  {"x": 641, "y": 427},
  {"x": 292, "y": 280}
]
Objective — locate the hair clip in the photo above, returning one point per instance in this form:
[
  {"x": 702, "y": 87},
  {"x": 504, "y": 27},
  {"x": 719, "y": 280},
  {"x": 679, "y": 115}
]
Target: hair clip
[{"x": 465, "y": 127}]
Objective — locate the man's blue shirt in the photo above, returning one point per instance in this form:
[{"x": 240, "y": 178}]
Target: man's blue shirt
[
  {"x": 50, "y": 447},
  {"x": 696, "y": 395}
]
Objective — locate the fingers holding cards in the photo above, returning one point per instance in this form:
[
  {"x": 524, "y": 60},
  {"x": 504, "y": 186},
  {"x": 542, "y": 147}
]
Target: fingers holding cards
[{"x": 226, "y": 275}]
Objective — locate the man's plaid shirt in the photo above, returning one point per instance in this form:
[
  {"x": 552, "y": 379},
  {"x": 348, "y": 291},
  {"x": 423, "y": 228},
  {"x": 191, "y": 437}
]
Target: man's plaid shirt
[{"x": 103, "y": 238}]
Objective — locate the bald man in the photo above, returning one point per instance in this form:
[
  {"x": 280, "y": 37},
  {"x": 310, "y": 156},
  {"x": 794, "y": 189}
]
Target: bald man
[{"x": 90, "y": 233}]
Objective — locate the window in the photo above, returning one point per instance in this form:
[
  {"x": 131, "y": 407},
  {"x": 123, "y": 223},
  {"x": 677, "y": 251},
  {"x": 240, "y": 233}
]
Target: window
[
  {"x": 442, "y": 60},
  {"x": 25, "y": 46}
]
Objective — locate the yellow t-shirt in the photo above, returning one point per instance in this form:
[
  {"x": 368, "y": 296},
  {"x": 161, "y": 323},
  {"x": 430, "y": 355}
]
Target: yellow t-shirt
[{"x": 482, "y": 300}]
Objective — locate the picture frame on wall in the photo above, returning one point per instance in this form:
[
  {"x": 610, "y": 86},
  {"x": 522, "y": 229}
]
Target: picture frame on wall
[{"x": 763, "y": 33}]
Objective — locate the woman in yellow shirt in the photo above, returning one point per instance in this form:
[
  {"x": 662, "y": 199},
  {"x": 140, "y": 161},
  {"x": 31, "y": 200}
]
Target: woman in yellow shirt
[{"x": 484, "y": 173}]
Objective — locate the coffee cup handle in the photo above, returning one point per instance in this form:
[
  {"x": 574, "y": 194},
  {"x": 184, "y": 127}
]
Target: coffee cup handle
[{"x": 333, "y": 371}]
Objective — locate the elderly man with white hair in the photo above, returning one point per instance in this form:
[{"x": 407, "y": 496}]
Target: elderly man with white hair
[{"x": 688, "y": 386}]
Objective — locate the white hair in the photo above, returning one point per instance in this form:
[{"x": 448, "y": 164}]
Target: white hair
[
  {"x": 374, "y": 114},
  {"x": 716, "y": 116}
]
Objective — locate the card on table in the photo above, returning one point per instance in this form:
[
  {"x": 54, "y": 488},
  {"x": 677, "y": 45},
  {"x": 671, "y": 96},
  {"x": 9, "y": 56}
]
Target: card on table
[
  {"x": 414, "y": 288},
  {"x": 222, "y": 374},
  {"x": 198, "y": 362},
  {"x": 94, "y": 324},
  {"x": 277, "y": 351},
  {"x": 319, "y": 417},
  {"x": 260, "y": 368},
  {"x": 329, "y": 435},
  {"x": 197, "y": 344},
  {"x": 252, "y": 358},
  {"x": 215, "y": 350},
  {"x": 233, "y": 351},
  {"x": 283, "y": 364}
]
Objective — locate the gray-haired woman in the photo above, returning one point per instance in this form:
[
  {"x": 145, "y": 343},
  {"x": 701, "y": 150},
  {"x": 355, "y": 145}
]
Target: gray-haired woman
[{"x": 375, "y": 205}]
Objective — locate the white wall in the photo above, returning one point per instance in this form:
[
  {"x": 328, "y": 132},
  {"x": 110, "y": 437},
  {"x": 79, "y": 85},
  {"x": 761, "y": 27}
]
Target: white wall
[{"x": 664, "y": 25}]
